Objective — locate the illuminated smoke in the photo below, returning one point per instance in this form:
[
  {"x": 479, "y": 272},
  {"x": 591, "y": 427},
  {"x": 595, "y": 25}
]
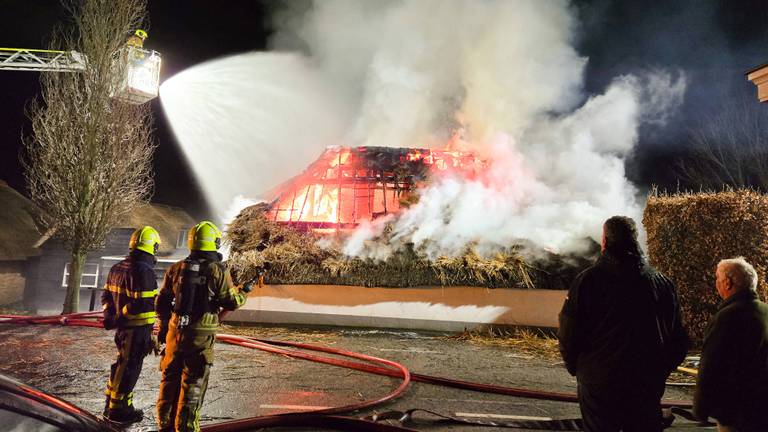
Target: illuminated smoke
[{"x": 409, "y": 74}]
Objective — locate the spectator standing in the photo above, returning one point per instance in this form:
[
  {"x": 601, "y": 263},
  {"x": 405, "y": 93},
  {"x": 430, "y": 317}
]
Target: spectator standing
[
  {"x": 621, "y": 335},
  {"x": 732, "y": 385}
]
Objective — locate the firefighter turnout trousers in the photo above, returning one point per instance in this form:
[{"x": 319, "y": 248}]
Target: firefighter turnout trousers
[
  {"x": 185, "y": 368},
  {"x": 133, "y": 344}
]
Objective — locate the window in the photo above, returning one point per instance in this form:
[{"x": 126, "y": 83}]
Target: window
[
  {"x": 181, "y": 240},
  {"x": 89, "y": 278},
  {"x": 15, "y": 422}
]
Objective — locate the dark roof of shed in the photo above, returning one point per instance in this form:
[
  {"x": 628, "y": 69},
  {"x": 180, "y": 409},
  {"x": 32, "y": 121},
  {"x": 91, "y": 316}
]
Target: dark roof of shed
[
  {"x": 21, "y": 232},
  {"x": 19, "y": 225}
]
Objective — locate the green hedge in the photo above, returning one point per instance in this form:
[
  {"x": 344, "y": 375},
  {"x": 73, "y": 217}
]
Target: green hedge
[{"x": 688, "y": 234}]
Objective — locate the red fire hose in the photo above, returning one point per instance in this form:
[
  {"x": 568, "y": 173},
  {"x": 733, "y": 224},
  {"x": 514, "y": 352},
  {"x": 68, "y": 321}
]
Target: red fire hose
[
  {"x": 323, "y": 417},
  {"x": 447, "y": 382}
]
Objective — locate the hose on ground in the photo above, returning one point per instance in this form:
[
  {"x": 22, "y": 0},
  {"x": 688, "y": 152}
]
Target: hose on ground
[{"x": 327, "y": 418}]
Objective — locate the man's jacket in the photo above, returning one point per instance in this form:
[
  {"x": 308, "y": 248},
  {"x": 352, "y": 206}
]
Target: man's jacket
[
  {"x": 732, "y": 385},
  {"x": 621, "y": 324},
  {"x": 128, "y": 298},
  {"x": 219, "y": 293}
]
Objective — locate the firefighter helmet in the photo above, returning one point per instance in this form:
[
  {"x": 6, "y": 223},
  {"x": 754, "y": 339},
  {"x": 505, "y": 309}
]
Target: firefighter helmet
[
  {"x": 145, "y": 239},
  {"x": 141, "y": 33},
  {"x": 204, "y": 236}
]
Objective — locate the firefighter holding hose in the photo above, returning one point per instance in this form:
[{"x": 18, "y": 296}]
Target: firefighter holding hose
[
  {"x": 193, "y": 293},
  {"x": 128, "y": 303}
]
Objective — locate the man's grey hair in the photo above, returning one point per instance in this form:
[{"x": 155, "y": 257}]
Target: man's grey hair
[{"x": 740, "y": 272}]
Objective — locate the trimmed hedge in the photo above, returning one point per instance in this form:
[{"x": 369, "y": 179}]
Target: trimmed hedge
[{"x": 688, "y": 234}]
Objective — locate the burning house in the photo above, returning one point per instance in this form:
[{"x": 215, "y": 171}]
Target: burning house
[
  {"x": 306, "y": 277},
  {"x": 346, "y": 186}
]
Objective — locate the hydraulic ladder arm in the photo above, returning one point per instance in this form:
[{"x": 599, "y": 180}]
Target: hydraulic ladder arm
[{"x": 22, "y": 59}]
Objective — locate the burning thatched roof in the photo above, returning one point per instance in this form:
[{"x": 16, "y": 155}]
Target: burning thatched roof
[
  {"x": 295, "y": 256},
  {"x": 348, "y": 185}
]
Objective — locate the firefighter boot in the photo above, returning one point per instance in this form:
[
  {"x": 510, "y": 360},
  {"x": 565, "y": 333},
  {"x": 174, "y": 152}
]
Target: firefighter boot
[{"x": 126, "y": 415}]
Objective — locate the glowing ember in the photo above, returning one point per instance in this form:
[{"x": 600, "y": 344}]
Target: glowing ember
[{"x": 346, "y": 186}]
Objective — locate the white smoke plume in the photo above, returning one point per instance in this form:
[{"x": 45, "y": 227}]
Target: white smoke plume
[{"x": 409, "y": 74}]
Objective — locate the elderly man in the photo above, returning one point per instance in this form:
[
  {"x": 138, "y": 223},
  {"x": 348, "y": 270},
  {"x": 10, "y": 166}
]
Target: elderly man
[
  {"x": 732, "y": 384},
  {"x": 621, "y": 335}
]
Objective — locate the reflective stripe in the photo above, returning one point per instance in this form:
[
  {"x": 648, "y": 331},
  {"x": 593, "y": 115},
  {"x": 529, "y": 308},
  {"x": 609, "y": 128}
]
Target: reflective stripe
[
  {"x": 139, "y": 319},
  {"x": 120, "y": 400},
  {"x": 130, "y": 293},
  {"x": 118, "y": 396},
  {"x": 140, "y": 322},
  {"x": 143, "y": 315}
]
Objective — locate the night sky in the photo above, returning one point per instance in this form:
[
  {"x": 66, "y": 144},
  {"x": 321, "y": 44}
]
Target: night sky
[{"x": 713, "y": 41}]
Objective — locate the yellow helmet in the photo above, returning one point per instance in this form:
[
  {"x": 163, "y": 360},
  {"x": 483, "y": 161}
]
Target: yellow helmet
[
  {"x": 204, "y": 236},
  {"x": 141, "y": 33},
  {"x": 145, "y": 239}
]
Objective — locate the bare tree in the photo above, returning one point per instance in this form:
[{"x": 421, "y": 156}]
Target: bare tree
[
  {"x": 89, "y": 159},
  {"x": 730, "y": 149}
]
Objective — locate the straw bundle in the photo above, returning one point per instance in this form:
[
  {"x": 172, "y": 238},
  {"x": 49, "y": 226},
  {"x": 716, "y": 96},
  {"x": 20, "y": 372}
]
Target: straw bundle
[{"x": 297, "y": 257}]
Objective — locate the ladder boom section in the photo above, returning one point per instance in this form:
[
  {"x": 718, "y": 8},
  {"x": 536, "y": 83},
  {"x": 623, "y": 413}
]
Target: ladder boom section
[{"x": 22, "y": 59}]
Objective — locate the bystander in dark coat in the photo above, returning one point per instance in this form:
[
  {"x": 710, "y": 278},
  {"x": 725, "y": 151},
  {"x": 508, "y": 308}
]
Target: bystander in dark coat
[
  {"x": 732, "y": 385},
  {"x": 621, "y": 335}
]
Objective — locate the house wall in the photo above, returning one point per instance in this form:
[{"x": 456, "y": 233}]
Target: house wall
[
  {"x": 44, "y": 273},
  {"x": 11, "y": 282},
  {"x": 422, "y": 308},
  {"x": 44, "y": 291}
]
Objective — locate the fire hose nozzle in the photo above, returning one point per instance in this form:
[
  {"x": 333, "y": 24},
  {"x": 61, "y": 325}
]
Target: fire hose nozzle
[{"x": 183, "y": 321}]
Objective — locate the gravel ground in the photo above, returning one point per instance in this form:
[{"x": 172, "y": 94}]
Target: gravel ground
[{"x": 73, "y": 363}]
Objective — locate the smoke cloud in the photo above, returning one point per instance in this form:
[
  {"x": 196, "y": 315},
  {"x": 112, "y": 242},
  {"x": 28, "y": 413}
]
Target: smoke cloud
[{"x": 407, "y": 74}]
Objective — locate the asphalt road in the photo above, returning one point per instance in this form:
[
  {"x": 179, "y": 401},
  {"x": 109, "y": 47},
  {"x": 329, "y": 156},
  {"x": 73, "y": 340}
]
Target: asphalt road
[{"x": 73, "y": 363}]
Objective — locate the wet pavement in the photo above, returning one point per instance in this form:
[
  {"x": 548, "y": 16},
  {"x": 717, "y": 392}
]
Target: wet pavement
[{"x": 73, "y": 363}]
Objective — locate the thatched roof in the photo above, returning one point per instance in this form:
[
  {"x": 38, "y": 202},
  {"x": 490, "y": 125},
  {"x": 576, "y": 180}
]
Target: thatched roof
[
  {"x": 18, "y": 225},
  {"x": 295, "y": 256},
  {"x": 20, "y": 237},
  {"x": 167, "y": 220}
]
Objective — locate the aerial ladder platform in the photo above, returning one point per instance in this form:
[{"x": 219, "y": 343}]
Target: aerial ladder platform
[
  {"x": 140, "y": 84},
  {"x": 23, "y": 59}
]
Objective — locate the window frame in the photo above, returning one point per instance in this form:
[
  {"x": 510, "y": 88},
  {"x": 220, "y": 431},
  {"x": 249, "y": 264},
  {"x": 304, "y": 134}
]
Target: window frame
[
  {"x": 95, "y": 276},
  {"x": 181, "y": 239}
]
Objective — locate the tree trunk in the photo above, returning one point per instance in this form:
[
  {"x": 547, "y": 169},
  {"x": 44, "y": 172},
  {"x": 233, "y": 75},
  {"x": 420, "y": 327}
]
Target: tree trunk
[{"x": 72, "y": 299}]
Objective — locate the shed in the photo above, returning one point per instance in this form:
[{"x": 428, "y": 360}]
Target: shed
[
  {"x": 46, "y": 273},
  {"x": 19, "y": 232}
]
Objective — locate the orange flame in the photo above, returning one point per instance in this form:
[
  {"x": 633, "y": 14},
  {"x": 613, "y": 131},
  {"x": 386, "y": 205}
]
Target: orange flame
[{"x": 346, "y": 186}]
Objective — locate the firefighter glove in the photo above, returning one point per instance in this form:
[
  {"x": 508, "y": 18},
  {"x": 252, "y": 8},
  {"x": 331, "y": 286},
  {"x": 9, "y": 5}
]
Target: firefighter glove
[
  {"x": 110, "y": 316},
  {"x": 162, "y": 333}
]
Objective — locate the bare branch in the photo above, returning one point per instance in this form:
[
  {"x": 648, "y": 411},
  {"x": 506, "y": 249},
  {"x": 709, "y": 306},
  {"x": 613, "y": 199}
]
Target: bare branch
[
  {"x": 88, "y": 162},
  {"x": 729, "y": 150}
]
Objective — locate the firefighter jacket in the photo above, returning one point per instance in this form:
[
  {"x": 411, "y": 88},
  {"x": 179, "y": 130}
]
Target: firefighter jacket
[
  {"x": 732, "y": 385},
  {"x": 128, "y": 298},
  {"x": 621, "y": 323},
  {"x": 214, "y": 293}
]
